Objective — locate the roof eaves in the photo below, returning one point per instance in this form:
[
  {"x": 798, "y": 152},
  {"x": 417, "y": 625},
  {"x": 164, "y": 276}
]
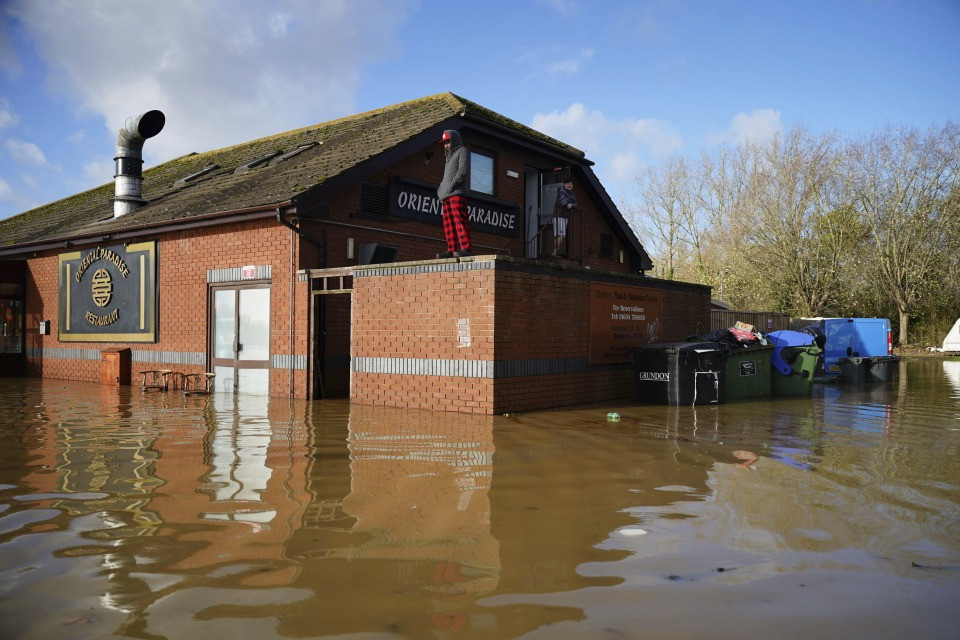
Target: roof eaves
[{"x": 153, "y": 227}]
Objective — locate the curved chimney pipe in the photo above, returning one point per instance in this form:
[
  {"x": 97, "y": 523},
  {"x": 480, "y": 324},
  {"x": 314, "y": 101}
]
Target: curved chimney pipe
[{"x": 128, "y": 178}]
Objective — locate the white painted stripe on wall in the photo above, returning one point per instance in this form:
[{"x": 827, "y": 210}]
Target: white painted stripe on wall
[{"x": 470, "y": 368}]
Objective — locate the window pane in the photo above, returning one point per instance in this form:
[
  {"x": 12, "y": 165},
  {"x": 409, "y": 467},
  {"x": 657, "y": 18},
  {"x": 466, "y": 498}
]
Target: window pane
[
  {"x": 255, "y": 324},
  {"x": 481, "y": 173},
  {"x": 224, "y": 379},
  {"x": 224, "y": 312},
  {"x": 254, "y": 382}
]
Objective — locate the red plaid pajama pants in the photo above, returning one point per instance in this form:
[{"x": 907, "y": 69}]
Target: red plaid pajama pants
[{"x": 456, "y": 226}]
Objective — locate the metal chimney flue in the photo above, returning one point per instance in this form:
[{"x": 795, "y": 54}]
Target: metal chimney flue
[{"x": 128, "y": 178}]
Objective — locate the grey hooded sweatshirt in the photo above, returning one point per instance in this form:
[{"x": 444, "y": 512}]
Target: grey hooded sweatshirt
[{"x": 456, "y": 168}]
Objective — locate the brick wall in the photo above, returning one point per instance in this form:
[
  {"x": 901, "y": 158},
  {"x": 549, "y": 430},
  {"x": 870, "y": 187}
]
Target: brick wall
[
  {"x": 183, "y": 260},
  {"x": 492, "y": 335},
  {"x": 420, "y": 241}
]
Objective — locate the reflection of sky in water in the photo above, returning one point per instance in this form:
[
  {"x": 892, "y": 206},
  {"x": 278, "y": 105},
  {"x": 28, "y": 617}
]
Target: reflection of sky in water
[
  {"x": 846, "y": 407},
  {"x": 795, "y": 457}
]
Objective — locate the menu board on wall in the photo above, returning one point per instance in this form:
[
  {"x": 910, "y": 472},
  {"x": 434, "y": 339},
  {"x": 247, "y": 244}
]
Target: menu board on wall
[{"x": 622, "y": 318}]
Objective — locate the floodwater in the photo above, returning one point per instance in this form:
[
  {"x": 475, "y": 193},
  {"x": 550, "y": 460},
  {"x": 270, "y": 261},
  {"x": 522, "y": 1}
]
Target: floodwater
[{"x": 153, "y": 515}]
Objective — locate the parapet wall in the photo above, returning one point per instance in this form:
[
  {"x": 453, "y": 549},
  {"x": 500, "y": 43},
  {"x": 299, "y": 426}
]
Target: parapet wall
[{"x": 493, "y": 334}]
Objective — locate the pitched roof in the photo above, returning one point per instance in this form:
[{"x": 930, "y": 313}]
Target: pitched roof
[
  {"x": 291, "y": 164},
  {"x": 271, "y": 172}
]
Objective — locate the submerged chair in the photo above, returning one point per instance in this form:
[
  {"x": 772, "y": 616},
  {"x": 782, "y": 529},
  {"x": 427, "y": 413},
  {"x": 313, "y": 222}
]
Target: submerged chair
[
  {"x": 194, "y": 383},
  {"x": 154, "y": 379}
]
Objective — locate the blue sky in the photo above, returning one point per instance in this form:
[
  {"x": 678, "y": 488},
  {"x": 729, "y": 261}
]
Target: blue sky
[{"x": 630, "y": 83}]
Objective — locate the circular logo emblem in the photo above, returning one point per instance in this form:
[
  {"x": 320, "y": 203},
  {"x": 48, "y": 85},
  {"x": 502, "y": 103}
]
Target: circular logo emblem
[{"x": 101, "y": 287}]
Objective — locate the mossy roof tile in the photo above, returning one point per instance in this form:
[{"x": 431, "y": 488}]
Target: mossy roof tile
[{"x": 342, "y": 144}]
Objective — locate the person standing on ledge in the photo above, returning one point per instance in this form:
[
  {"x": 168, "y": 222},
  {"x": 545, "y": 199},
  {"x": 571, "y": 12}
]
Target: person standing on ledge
[
  {"x": 453, "y": 195},
  {"x": 566, "y": 202}
]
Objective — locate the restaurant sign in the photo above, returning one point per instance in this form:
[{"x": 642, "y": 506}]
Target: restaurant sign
[
  {"x": 109, "y": 294},
  {"x": 418, "y": 201},
  {"x": 622, "y": 318}
]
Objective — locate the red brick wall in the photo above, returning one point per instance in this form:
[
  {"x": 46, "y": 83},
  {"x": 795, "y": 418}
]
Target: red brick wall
[
  {"x": 183, "y": 261},
  {"x": 519, "y": 312},
  {"x": 415, "y": 317}
]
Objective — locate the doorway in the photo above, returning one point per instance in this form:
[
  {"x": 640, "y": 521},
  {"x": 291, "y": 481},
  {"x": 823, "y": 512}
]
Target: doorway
[
  {"x": 531, "y": 198},
  {"x": 241, "y": 339}
]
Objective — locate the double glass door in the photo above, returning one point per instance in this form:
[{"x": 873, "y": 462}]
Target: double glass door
[{"x": 241, "y": 339}]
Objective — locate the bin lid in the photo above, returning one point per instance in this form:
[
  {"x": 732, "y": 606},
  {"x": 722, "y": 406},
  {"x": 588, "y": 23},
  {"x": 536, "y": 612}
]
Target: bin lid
[
  {"x": 783, "y": 339},
  {"x": 787, "y": 338},
  {"x": 678, "y": 347}
]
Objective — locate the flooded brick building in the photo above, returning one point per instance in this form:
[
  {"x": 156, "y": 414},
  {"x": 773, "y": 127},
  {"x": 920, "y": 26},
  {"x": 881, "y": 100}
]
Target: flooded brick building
[{"x": 303, "y": 265}]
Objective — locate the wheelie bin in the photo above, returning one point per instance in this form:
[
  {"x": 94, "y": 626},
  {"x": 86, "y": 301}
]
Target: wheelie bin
[
  {"x": 679, "y": 373},
  {"x": 747, "y": 371},
  {"x": 793, "y": 362},
  {"x": 866, "y": 370}
]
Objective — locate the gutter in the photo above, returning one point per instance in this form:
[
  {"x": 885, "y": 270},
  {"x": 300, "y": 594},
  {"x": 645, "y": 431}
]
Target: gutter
[
  {"x": 166, "y": 226},
  {"x": 300, "y": 232}
]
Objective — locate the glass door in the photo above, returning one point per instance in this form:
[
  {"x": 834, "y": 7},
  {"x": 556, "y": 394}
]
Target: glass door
[{"x": 241, "y": 339}]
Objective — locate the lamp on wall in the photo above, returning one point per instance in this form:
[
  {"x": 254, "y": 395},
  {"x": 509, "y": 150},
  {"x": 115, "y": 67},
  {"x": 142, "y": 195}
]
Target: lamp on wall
[{"x": 427, "y": 157}]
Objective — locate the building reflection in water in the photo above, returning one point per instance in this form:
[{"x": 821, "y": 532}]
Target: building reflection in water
[
  {"x": 320, "y": 518},
  {"x": 155, "y": 515}
]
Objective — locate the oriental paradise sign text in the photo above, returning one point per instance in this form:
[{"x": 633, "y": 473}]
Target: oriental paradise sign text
[
  {"x": 108, "y": 294},
  {"x": 418, "y": 200}
]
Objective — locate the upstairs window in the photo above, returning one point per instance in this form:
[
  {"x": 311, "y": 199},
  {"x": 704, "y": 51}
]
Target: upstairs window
[{"x": 481, "y": 172}]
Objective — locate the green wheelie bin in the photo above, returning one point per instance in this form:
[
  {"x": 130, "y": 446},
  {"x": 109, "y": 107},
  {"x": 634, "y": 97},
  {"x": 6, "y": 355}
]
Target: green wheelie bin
[{"x": 746, "y": 371}]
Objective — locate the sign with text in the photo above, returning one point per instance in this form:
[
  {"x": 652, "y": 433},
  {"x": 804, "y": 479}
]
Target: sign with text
[
  {"x": 109, "y": 294},
  {"x": 418, "y": 200},
  {"x": 622, "y": 318}
]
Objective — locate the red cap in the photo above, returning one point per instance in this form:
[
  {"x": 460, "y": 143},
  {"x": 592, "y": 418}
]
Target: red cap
[{"x": 446, "y": 137}]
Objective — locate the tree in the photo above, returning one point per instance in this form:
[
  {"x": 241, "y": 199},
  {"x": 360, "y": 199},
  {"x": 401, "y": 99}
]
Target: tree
[
  {"x": 902, "y": 181},
  {"x": 667, "y": 213},
  {"x": 798, "y": 233}
]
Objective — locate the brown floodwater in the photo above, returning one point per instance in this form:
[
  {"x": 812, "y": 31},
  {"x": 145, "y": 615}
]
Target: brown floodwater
[{"x": 154, "y": 515}]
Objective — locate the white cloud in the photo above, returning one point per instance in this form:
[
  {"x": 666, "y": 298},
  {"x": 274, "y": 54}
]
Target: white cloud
[
  {"x": 281, "y": 24},
  {"x": 9, "y": 60},
  {"x": 561, "y": 6},
  {"x": 7, "y": 117},
  {"x": 759, "y": 125},
  {"x": 569, "y": 65},
  {"x": 222, "y": 71},
  {"x": 26, "y": 153},
  {"x": 554, "y": 60},
  {"x": 99, "y": 171},
  {"x": 17, "y": 200},
  {"x": 6, "y": 191},
  {"x": 619, "y": 147}
]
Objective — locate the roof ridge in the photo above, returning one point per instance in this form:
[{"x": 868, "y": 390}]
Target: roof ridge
[{"x": 455, "y": 101}]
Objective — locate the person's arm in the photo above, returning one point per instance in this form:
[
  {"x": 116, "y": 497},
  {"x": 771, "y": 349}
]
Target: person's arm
[{"x": 463, "y": 168}]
